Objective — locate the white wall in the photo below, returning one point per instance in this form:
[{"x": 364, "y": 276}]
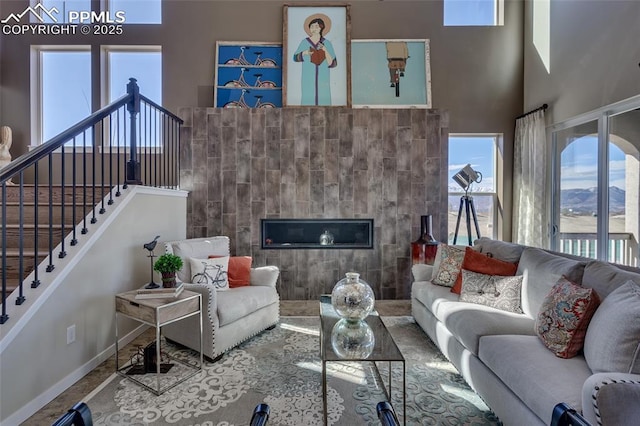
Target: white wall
[
  {"x": 38, "y": 364},
  {"x": 594, "y": 56}
]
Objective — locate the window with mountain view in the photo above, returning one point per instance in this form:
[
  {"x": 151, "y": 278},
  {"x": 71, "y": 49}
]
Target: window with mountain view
[
  {"x": 590, "y": 172},
  {"x": 480, "y": 152}
]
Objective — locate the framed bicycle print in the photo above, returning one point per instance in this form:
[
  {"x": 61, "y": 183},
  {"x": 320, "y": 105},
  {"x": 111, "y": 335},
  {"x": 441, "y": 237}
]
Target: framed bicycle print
[
  {"x": 248, "y": 75},
  {"x": 391, "y": 73},
  {"x": 317, "y": 55}
]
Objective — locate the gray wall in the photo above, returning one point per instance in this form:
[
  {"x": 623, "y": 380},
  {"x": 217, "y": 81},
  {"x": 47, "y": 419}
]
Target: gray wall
[
  {"x": 477, "y": 72},
  {"x": 387, "y": 165},
  {"x": 595, "y": 51}
]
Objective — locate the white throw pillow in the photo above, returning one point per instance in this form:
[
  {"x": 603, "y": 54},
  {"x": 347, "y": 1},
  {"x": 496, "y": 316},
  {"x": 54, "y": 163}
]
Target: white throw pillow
[{"x": 211, "y": 271}]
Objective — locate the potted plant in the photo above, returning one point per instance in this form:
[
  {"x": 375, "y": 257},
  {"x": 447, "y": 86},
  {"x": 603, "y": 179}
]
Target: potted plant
[{"x": 168, "y": 265}]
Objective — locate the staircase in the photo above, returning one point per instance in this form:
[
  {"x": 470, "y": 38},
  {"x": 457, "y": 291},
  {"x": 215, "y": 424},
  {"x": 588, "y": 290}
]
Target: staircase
[
  {"x": 69, "y": 207},
  {"x": 121, "y": 144}
]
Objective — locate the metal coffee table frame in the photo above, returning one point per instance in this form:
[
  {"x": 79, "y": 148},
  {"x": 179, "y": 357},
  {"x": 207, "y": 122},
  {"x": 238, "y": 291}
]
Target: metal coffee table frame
[{"x": 385, "y": 350}]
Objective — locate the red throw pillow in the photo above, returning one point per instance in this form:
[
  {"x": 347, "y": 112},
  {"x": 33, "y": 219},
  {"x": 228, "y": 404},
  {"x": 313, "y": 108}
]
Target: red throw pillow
[
  {"x": 475, "y": 261},
  {"x": 239, "y": 273}
]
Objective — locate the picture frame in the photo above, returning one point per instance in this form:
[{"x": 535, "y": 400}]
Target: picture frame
[
  {"x": 391, "y": 73},
  {"x": 316, "y": 46},
  {"x": 248, "y": 74}
]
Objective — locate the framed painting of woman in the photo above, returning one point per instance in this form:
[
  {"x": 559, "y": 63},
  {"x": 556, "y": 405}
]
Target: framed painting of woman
[{"x": 316, "y": 52}]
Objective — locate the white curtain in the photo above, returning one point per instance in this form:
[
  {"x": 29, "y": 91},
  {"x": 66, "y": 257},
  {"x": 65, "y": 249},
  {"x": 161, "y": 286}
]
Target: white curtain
[{"x": 530, "y": 165}]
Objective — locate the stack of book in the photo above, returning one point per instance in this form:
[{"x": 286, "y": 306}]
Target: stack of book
[{"x": 160, "y": 292}]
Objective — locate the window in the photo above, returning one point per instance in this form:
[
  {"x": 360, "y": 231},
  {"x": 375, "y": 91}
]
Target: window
[
  {"x": 60, "y": 14},
  {"x": 595, "y": 207},
  {"x": 144, "y": 63},
  {"x": 480, "y": 152},
  {"x": 137, "y": 11},
  {"x": 473, "y": 12},
  {"x": 62, "y": 95}
]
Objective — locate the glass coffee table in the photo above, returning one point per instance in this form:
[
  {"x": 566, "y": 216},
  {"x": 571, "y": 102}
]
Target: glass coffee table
[{"x": 349, "y": 342}]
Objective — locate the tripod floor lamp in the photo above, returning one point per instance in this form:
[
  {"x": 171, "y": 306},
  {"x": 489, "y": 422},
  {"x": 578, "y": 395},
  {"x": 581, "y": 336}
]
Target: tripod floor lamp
[{"x": 465, "y": 178}]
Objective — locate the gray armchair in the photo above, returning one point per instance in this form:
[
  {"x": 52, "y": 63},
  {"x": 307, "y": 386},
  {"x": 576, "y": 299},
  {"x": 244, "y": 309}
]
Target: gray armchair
[{"x": 228, "y": 317}]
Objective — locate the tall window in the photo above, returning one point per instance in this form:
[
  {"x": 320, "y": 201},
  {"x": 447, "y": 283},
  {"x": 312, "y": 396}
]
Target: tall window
[
  {"x": 62, "y": 95},
  {"x": 479, "y": 151},
  {"x": 473, "y": 12},
  {"x": 144, "y": 63},
  {"x": 595, "y": 201}
]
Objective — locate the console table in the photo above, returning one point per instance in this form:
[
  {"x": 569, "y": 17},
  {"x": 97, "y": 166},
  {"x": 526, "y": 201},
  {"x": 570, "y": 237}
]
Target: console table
[{"x": 157, "y": 313}]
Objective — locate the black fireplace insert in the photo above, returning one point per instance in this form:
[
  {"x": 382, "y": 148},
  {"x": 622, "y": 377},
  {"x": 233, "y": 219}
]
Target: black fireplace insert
[{"x": 317, "y": 233}]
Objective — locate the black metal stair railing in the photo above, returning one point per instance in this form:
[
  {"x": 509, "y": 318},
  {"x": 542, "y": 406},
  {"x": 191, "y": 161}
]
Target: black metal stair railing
[{"x": 77, "y": 173}]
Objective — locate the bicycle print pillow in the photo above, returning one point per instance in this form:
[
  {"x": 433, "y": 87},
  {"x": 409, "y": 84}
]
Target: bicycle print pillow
[{"x": 212, "y": 271}]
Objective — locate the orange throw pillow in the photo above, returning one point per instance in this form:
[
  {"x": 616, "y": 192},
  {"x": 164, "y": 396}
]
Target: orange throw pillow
[
  {"x": 239, "y": 272},
  {"x": 475, "y": 261}
]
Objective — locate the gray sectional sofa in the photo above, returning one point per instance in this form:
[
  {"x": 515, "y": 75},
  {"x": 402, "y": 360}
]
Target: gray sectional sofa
[{"x": 505, "y": 362}]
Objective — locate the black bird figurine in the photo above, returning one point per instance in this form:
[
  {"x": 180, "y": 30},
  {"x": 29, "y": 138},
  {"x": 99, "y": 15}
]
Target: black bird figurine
[{"x": 150, "y": 246}]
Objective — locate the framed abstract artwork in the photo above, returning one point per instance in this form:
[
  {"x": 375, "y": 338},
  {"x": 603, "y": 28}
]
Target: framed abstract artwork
[
  {"x": 248, "y": 75},
  {"x": 317, "y": 55},
  {"x": 391, "y": 73}
]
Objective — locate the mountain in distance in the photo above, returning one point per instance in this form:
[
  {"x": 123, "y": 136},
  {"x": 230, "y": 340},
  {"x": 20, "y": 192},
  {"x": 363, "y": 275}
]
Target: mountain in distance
[
  {"x": 579, "y": 201},
  {"x": 583, "y": 201}
]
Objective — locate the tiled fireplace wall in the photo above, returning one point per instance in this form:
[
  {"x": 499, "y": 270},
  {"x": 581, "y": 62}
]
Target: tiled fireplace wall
[{"x": 387, "y": 164}]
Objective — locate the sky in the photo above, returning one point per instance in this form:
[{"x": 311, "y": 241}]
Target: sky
[
  {"x": 477, "y": 151},
  {"x": 578, "y": 167}
]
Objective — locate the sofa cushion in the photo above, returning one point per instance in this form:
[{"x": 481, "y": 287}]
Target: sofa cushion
[
  {"x": 508, "y": 252},
  {"x": 491, "y": 290},
  {"x": 211, "y": 271},
  {"x": 469, "y": 322},
  {"x": 480, "y": 262},
  {"x": 612, "y": 343},
  {"x": 239, "y": 272},
  {"x": 239, "y": 302},
  {"x": 533, "y": 373},
  {"x": 604, "y": 277},
  {"x": 564, "y": 316},
  {"x": 199, "y": 248},
  {"x": 541, "y": 270},
  {"x": 450, "y": 261}
]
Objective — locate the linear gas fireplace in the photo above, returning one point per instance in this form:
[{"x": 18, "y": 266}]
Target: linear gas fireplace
[{"x": 317, "y": 233}]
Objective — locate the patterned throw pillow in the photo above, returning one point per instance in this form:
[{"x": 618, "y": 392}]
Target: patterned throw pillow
[
  {"x": 239, "y": 272},
  {"x": 490, "y": 290},
  {"x": 449, "y": 267},
  {"x": 564, "y": 317},
  {"x": 484, "y": 264},
  {"x": 211, "y": 271}
]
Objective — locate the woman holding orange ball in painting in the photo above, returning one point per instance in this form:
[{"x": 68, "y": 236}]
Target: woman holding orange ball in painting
[{"x": 317, "y": 57}]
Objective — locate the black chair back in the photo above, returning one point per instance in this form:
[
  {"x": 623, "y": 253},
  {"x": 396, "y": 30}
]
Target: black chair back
[
  {"x": 260, "y": 415},
  {"x": 78, "y": 415},
  {"x": 386, "y": 414},
  {"x": 564, "y": 415}
]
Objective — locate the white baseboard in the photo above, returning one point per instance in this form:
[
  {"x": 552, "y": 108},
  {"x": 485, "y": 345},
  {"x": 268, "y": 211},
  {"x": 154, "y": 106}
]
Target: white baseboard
[{"x": 52, "y": 393}]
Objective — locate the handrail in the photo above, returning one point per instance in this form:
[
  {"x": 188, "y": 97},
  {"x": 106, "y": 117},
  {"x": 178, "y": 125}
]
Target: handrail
[
  {"x": 161, "y": 108},
  {"x": 118, "y": 145},
  {"x": 57, "y": 141}
]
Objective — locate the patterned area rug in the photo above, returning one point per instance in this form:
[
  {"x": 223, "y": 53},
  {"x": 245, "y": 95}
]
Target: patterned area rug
[{"x": 282, "y": 368}]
